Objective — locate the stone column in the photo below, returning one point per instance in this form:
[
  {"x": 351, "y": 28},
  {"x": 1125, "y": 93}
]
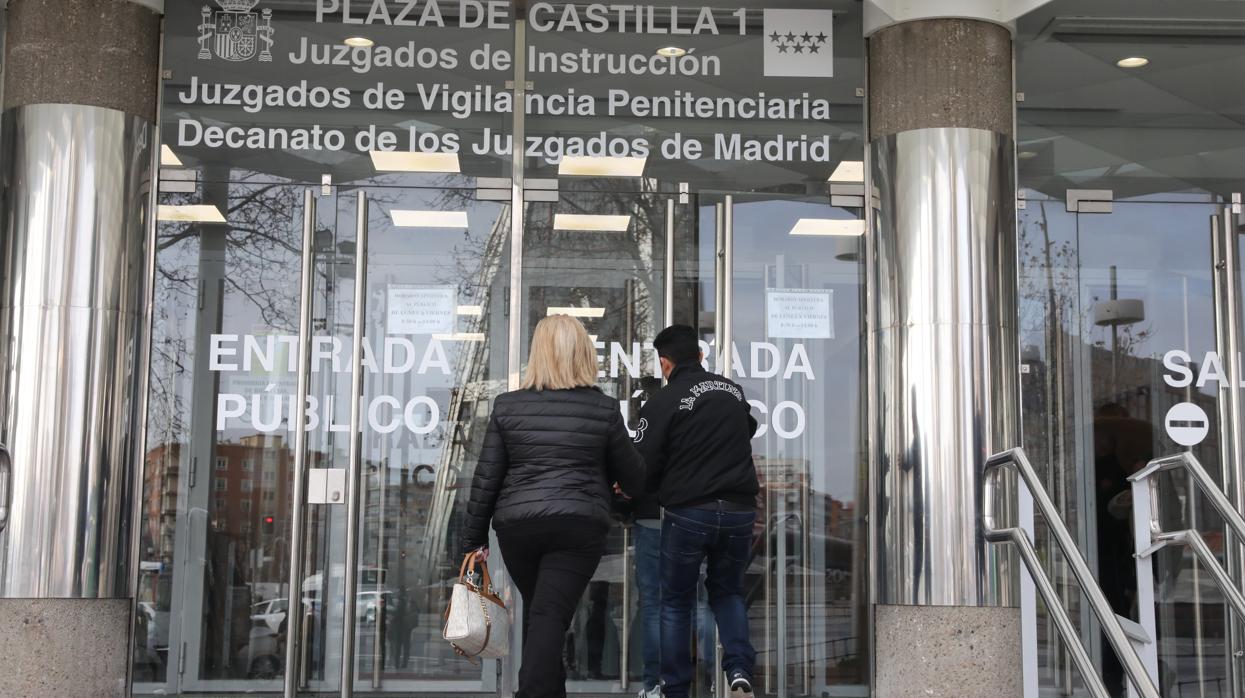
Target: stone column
[
  {"x": 943, "y": 354},
  {"x": 76, "y": 176}
]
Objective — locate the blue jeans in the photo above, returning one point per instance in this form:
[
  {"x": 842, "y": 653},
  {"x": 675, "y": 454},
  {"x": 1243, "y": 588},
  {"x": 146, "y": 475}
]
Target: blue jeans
[
  {"x": 648, "y": 579},
  {"x": 688, "y": 537}
]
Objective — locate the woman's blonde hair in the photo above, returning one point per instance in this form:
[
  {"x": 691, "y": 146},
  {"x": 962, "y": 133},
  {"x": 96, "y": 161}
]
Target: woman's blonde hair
[{"x": 562, "y": 355}]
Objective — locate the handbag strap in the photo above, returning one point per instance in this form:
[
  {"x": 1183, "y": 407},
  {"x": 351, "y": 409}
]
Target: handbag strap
[{"x": 485, "y": 588}]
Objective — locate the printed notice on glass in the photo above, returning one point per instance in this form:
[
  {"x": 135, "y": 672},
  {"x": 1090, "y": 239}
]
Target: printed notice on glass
[
  {"x": 421, "y": 309},
  {"x": 799, "y": 313}
]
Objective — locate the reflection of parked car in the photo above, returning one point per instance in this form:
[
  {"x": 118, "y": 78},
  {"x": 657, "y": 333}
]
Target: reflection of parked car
[
  {"x": 366, "y": 604},
  {"x": 262, "y": 654},
  {"x": 270, "y": 613},
  {"x": 157, "y": 625},
  {"x": 152, "y": 640}
]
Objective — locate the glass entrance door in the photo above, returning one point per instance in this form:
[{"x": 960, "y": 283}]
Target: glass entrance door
[
  {"x": 747, "y": 265},
  {"x": 217, "y": 593},
  {"x": 1125, "y": 319},
  {"x": 434, "y": 338},
  {"x": 1158, "y": 384},
  {"x": 621, "y": 259}
]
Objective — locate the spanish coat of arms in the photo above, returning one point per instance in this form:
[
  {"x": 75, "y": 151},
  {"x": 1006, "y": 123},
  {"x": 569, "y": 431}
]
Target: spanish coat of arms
[{"x": 238, "y": 31}]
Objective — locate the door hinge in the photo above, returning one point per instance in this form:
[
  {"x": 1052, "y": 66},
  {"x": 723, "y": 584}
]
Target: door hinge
[
  {"x": 326, "y": 184},
  {"x": 1090, "y": 200},
  {"x": 847, "y": 195},
  {"x": 544, "y": 190},
  {"x": 181, "y": 660},
  {"x": 1236, "y": 203},
  {"x": 493, "y": 189},
  {"x": 1020, "y": 199},
  {"x": 194, "y": 471}
]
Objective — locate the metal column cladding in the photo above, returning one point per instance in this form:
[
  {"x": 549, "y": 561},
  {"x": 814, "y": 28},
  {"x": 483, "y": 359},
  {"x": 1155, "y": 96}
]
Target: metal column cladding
[
  {"x": 944, "y": 354},
  {"x": 72, "y": 262},
  {"x": 943, "y": 315}
]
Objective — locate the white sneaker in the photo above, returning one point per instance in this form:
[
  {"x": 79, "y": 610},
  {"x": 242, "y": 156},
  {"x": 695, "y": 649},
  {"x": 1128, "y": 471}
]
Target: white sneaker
[{"x": 654, "y": 692}]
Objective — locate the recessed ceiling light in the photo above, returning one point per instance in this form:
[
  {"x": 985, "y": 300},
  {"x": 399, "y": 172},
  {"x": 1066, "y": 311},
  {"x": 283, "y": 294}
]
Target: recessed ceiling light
[
  {"x": 359, "y": 42},
  {"x": 602, "y": 166},
  {"x": 828, "y": 226},
  {"x": 591, "y": 222},
  {"x": 168, "y": 158},
  {"x": 428, "y": 219},
  {"x": 575, "y": 311},
  {"x": 1133, "y": 62},
  {"x": 672, "y": 51},
  {"x": 1026, "y": 155},
  {"x": 851, "y": 171},
  {"x": 470, "y": 310},
  {"x": 460, "y": 337},
  {"x": 405, "y": 161},
  {"x": 189, "y": 213}
]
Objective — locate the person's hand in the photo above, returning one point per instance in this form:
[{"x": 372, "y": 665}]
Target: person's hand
[
  {"x": 618, "y": 491},
  {"x": 480, "y": 555}
]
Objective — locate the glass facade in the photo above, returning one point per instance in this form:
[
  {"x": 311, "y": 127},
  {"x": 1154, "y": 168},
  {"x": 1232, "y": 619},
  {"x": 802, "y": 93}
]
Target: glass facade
[
  {"x": 1123, "y": 312},
  {"x": 720, "y": 183},
  {"x": 470, "y": 246}
]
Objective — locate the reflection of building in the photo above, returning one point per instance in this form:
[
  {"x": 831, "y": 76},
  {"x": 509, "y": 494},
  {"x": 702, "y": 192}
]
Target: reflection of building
[
  {"x": 249, "y": 492},
  {"x": 248, "y": 482},
  {"x": 466, "y": 417}
]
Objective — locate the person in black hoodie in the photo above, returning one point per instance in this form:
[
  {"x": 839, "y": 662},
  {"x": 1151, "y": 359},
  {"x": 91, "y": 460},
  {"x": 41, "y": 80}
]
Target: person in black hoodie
[
  {"x": 551, "y": 454},
  {"x": 696, "y": 437}
]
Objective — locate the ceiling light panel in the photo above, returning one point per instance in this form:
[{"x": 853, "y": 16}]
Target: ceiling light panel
[
  {"x": 602, "y": 166},
  {"x": 585, "y": 222},
  {"x": 405, "y": 161},
  {"x": 428, "y": 219},
  {"x": 575, "y": 311},
  {"x": 849, "y": 171},
  {"x": 828, "y": 227},
  {"x": 189, "y": 213}
]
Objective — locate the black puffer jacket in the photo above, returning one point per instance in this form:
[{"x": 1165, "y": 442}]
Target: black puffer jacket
[{"x": 550, "y": 453}]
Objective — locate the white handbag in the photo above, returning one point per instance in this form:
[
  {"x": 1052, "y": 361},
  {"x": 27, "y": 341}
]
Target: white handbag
[{"x": 476, "y": 622}]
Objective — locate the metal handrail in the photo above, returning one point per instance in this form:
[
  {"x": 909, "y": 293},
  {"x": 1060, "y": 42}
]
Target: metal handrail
[
  {"x": 1153, "y": 538},
  {"x": 6, "y": 486},
  {"x": 1202, "y": 479},
  {"x": 1133, "y": 666}
]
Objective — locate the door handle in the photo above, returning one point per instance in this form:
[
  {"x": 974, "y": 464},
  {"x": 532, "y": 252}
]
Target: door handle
[{"x": 6, "y": 485}]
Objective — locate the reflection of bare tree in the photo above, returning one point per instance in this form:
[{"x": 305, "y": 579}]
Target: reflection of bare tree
[
  {"x": 261, "y": 244},
  {"x": 636, "y": 254}
]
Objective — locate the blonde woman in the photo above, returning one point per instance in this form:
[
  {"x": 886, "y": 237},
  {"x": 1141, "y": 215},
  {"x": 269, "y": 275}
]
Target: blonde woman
[{"x": 551, "y": 456}]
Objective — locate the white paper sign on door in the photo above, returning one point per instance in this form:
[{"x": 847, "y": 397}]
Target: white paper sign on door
[
  {"x": 799, "y": 313},
  {"x": 422, "y": 309}
]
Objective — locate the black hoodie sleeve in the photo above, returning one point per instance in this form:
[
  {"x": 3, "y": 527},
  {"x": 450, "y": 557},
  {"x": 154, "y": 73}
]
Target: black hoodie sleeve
[{"x": 485, "y": 487}]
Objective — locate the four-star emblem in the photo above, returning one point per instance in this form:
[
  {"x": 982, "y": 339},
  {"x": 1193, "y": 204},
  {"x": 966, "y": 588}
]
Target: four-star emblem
[{"x": 798, "y": 43}]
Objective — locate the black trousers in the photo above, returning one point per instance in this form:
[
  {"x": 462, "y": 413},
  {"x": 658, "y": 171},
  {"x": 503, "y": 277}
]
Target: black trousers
[{"x": 551, "y": 562}]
